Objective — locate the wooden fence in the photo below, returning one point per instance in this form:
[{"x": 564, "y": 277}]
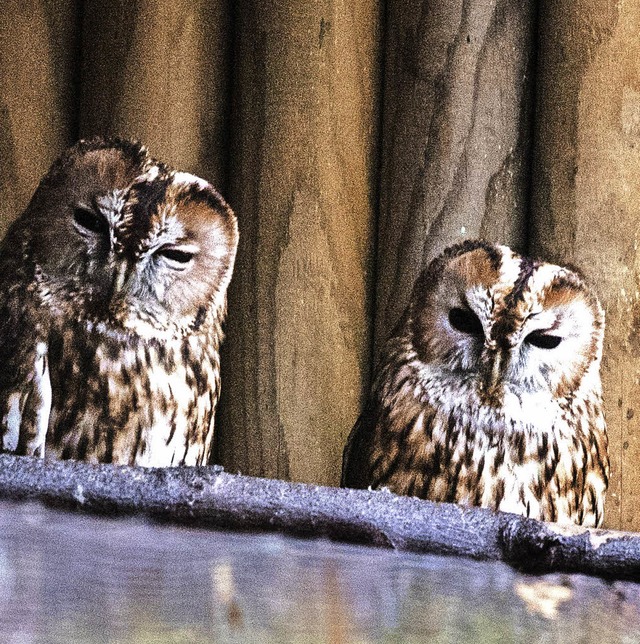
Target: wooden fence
[{"x": 355, "y": 141}]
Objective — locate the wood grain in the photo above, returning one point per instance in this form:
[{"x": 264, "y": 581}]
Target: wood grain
[
  {"x": 587, "y": 194},
  {"x": 456, "y": 135},
  {"x": 159, "y": 71},
  {"x": 303, "y": 164},
  {"x": 38, "y": 49}
]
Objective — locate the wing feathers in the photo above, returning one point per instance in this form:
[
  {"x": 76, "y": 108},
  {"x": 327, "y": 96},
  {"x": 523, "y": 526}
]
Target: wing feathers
[{"x": 28, "y": 406}]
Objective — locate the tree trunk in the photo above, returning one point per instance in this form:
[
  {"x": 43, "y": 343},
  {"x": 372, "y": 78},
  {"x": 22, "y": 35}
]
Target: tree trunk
[
  {"x": 159, "y": 71},
  {"x": 456, "y": 135},
  {"x": 585, "y": 199},
  {"x": 303, "y": 166},
  {"x": 37, "y": 107}
]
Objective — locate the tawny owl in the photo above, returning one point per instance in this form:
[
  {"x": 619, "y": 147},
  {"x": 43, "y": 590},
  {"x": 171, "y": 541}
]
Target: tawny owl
[
  {"x": 488, "y": 391},
  {"x": 112, "y": 295}
]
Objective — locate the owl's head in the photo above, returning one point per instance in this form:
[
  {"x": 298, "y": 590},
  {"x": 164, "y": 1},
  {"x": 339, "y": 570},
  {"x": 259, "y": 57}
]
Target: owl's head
[
  {"x": 501, "y": 319},
  {"x": 120, "y": 239}
]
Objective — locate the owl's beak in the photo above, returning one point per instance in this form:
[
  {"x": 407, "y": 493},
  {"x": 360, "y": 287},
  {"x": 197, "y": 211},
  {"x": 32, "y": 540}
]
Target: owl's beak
[
  {"x": 496, "y": 359},
  {"x": 495, "y": 373},
  {"x": 120, "y": 277}
]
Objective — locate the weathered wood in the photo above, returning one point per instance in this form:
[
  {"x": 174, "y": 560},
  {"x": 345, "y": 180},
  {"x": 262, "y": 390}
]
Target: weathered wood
[
  {"x": 303, "y": 164},
  {"x": 159, "y": 71},
  {"x": 208, "y": 496},
  {"x": 38, "y": 46},
  {"x": 456, "y": 135},
  {"x": 547, "y": 547},
  {"x": 586, "y": 191},
  {"x": 71, "y": 577}
]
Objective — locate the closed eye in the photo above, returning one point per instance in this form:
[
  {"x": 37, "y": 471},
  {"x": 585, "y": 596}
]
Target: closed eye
[
  {"x": 177, "y": 256},
  {"x": 88, "y": 220},
  {"x": 465, "y": 321},
  {"x": 543, "y": 340}
]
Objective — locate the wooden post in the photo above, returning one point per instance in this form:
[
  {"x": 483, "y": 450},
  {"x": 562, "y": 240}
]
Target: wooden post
[
  {"x": 37, "y": 107},
  {"x": 303, "y": 166},
  {"x": 159, "y": 71},
  {"x": 456, "y": 135},
  {"x": 586, "y": 198}
]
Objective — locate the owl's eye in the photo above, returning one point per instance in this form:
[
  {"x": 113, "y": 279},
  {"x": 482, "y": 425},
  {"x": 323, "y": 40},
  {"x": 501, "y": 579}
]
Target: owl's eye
[
  {"x": 543, "y": 340},
  {"x": 178, "y": 257},
  {"x": 465, "y": 321},
  {"x": 89, "y": 220}
]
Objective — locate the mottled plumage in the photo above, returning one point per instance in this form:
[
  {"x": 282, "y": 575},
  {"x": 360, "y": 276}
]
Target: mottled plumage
[
  {"x": 112, "y": 295},
  {"x": 488, "y": 391}
]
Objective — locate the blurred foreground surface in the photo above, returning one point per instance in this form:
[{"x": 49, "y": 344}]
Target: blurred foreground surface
[{"x": 68, "y": 577}]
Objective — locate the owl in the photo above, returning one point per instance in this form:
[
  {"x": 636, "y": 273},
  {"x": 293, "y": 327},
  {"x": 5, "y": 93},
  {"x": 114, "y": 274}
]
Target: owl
[
  {"x": 112, "y": 295},
  {"x": 488, "y": 391}
]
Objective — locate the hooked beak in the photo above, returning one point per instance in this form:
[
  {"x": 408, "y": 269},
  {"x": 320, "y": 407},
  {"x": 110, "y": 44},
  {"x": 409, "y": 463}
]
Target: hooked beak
[
  {"x": 496, "y": 357},
  {"x": 120, "y": 276},
  {"x": 495, "y": 372}
]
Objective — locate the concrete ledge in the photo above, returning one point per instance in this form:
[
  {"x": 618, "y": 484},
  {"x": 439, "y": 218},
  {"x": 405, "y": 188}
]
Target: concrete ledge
[{"x": 208, "y": 496}]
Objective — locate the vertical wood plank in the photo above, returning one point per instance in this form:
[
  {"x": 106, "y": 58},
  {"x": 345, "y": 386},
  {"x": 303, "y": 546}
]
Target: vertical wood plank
[
  {"x": 159, "y": 71},
  {"x": 456, "y": 135},
  {"x": 37, "y": 95},
  {"x": 303, "y": 185},
  {"x": 586, "y": 198}
]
